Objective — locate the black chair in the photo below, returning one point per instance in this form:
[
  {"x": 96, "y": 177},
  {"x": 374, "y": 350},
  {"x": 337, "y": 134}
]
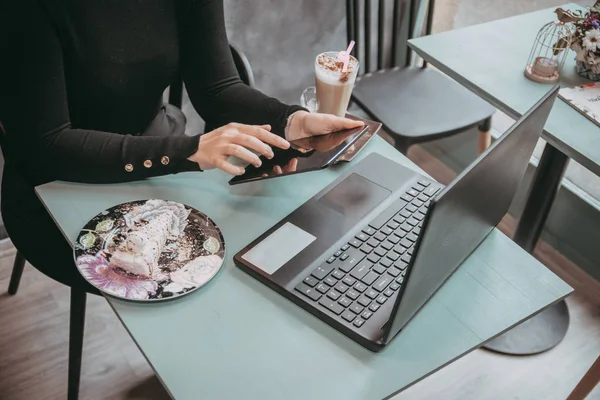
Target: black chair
[
  {"x": 78, "y": 297},
  {"x": 414, "y": 104}
]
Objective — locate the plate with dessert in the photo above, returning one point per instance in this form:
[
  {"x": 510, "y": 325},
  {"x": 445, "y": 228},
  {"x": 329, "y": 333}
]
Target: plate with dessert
[{"x": 149, "y": 250}]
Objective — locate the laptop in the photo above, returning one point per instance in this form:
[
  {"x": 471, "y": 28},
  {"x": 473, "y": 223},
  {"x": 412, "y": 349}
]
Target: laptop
[{"x": 366, "y": 253}]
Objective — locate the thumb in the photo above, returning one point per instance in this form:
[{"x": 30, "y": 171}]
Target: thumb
[{"x": 339, "y": 123}]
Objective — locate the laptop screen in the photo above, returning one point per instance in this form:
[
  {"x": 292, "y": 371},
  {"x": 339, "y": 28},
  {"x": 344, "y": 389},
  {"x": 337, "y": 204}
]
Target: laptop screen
[{"x": 466, "y": 211}]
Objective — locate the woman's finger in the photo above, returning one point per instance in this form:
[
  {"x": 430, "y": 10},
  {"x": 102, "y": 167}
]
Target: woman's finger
[
  {"x": 264, "y": 136},
  {"x": 253, "y": 143},
  {"x": 339, "y": 123},
  {"x": 277, "y": 170},
  {"x": 242, "y": 153},
  {"x": 223, "y": 165}
]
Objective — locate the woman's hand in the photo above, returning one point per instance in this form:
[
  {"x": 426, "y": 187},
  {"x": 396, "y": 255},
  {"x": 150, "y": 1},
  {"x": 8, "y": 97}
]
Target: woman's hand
[
  {"x": 305, "y": 124},
  {"x": 214, "y": 148}
]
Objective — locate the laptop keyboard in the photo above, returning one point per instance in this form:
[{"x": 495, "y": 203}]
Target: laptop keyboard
[{"x": 362, "y": 275}]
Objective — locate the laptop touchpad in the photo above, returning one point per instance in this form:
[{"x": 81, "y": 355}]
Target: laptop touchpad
[{"x": 355, "y": 196}]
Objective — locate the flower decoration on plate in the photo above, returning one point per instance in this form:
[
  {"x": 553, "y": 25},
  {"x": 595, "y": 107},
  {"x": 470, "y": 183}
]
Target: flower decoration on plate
[{"x": 149, "y": 250}]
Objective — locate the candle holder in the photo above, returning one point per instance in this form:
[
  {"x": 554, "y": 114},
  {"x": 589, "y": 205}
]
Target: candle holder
[{"x": 548, "y": 53}]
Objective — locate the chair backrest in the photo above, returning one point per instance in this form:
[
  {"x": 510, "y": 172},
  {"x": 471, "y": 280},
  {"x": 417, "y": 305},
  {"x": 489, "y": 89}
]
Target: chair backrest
[
  {"x": 394, "y": 22},
  {"x": 243, "y": 68}
]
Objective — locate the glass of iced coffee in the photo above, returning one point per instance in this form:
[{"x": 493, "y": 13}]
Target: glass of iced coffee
[{"x": 333, "y": 85}]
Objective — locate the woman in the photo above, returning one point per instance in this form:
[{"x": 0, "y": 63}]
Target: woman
[{"x": 84, "y": 107}]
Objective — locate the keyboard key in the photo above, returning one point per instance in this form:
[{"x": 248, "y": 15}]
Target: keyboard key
[
  {"x": 340, "y": 287},
  {"x": 331, "y": 305},
  {"x": 366, "y": 314},
  {"x": 406, "y": 197},
  {"x": 430, "y": 191},
  {"x": 359, "y": 322},
  {"x": 395, "y": 286},
  {"x": 345, "y": 247},
  {"x": 333, "y": 295},
  {"x": 369, "y": 278},
  {"x": 419, "y": 216},
  {"x": 413, "y": 192},
  {"x": 337, "y": 274},
  {"x": 345, "y": 302},
  {"x": 423, "y": 197},
  {"x": 400, "y": 279},
  {"x": 417, "y": 230},
  {"x": 388, "y": 213},
  {"x": 323, "y": 288},
  {"x": 381, "y": 299},
  {"x": 365, "y": 248},
  {"x": 387, "y": 245},
  {"x": 368, "y": 231},
  {"x": 380, "y": 237},
  {"x": 406, "y": 227},
  {"x": 372, "y": 294},
  {"x": 393, "y": 224},
  {"x": 351, "y": 261},
  {"x": 374, "y": 307},
  {"x": 361, "y": 270},
  {"x": 423, "y": 183},
  {"x": 405, "y": 257},
  {"x": 356, "y": 308},
  {"x": 392, "y": 255},
  {"x": 349, "y": 316},
  {"x": 400, "y": 232},
  {"x": 373, "y": 258},
  {"x": 322, "y": 271},
  {"x": 423, "y": 210},
  {"x": 399, "y": 249},
  {"x": 412, "y": 237},
  {"x": 412, "y": 221},
  {"x": 385, "y": 262},
  {"x": 380, "y": 269},
  {"x": 410, "y": 251},
  {"x": 380, "y": 251},
  {"x": 382, "y": 282},
  {"x": 330, "y": 280},
  {"x": 388, "y": 292},
  {"x": 362, "y": 237},
  {"x": 417, "y": 187},
  {"x": 394, "y": 238},
  {"x": 344, "y": 256},
  {"x": 355, "y": 243},
  {"x": 403, "y": 272},
  {"x": 393, "y": 271},
  {"x": 417, "y": 203},
  {"x": 411, "y": 208},
  {"x": 361, "y": 287},
  {"x": 387, "y": 231},
  {"x": 352, "y": 294},
  {"x": 373, "y": 242},
  {"x": 401, "y": 265},
  {"x": 406, "y": 243},
  {"x": 308, "y": 291},
  {"x": 330, "y": 260},
  {"x": 405, "y": 213},
  {"x": 311, "y": 281},
  {"x": 399, "y": 219},
  {"x": 349, "y": 281},
  {"x": 364, "y": 301}
]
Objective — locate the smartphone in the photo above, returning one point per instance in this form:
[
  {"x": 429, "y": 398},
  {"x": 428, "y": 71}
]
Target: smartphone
[{"x": 308, "y": 154}]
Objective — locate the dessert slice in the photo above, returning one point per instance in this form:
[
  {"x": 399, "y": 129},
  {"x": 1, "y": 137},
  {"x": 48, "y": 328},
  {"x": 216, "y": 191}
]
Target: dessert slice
[{"x": 140, "y": 251}]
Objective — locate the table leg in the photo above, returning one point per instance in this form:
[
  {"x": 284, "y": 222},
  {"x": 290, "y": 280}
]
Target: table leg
[{"x": 545, "y": 330}]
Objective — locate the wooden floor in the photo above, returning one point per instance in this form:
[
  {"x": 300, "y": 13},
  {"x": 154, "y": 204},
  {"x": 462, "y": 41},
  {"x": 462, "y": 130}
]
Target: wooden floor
[{"x": 34, "y": 337}]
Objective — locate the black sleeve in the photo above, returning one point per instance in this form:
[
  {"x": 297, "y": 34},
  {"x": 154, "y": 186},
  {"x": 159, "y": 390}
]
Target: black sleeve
[
  {"x": 35, "y": 113},
  {"x": 212, "y": 81}
]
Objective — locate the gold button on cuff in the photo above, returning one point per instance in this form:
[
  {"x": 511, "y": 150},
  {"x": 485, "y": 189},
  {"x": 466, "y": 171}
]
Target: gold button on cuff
[
  {"x": 164, "y": 160},
  {"x": 147, "y": 163},
  {"x": 129, "y": 168}
]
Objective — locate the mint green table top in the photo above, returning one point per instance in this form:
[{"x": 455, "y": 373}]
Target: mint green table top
[
  {"x": 237, "y": 339},
  {"x": 490, "y": 59}
]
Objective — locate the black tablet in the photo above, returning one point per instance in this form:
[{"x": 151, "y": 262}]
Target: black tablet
[{"x": 308, "y": 154}]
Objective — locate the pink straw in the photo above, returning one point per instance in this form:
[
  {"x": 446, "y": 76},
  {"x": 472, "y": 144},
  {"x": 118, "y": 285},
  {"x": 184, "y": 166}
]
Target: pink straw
[{"x": 344, "y": 56}]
